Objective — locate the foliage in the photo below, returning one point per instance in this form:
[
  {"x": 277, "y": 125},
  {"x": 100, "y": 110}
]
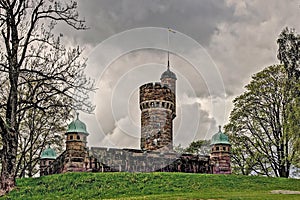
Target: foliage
[
  {"x": 179, "y": 149},
  {"x": 199, "y": 147},
  {"x": 151, "y": 186},
  {"x": 289, "y": 55},
  {"x": 289, "y": 51},
  {"x": 260, "y": 141},
  {"x": 41, "y": 81}
]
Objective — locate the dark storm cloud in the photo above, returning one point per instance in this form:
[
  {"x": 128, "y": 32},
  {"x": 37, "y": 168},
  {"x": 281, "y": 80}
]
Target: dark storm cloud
[{"x": 198, "y": 19}]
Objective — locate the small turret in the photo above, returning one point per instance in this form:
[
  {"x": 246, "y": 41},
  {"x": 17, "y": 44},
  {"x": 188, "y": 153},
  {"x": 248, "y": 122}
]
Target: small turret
[
  {"x": 76, "y": 149},
  {"x": 220, "y": 153},
  {"x": 76, "y": 134},
  {"x": 47, "y": 157},
  {"x": 169, "y": 78}
]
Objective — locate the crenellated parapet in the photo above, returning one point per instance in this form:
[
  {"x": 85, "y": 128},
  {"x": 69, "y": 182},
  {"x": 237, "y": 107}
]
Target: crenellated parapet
[{"x": 157, "y": 95}]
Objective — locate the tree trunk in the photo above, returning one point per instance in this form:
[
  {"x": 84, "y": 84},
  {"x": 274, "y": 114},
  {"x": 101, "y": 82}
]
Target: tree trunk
[{"x": 8, "y": 159}]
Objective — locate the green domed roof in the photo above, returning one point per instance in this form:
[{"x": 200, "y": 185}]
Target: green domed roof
[
  {"x": 168, "y": 74},
  {"x": 48, "y": 154},
  {"x": 77, "y": 126},
  {"x": 220, "y": 138}
]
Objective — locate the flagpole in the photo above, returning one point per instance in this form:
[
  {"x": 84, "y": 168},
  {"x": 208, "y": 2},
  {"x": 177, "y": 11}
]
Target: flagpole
[{"x": 168, "y": 48}]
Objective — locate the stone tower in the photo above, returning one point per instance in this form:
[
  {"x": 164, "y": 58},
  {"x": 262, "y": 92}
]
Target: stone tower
[
  {"x": 220, "y": 153},
  {"x": 158, "y": 109},
  {"x": 76, "y": 158},
  {"x": 46, "y": 159}
]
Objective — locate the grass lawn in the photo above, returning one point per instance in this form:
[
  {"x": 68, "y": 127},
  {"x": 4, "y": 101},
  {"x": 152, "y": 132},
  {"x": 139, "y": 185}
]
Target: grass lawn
[{"x": 152, "y": 186}]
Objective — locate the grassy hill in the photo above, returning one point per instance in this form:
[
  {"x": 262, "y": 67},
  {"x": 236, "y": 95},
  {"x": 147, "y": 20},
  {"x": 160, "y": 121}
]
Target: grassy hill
[{"x": 152, "y": 186}]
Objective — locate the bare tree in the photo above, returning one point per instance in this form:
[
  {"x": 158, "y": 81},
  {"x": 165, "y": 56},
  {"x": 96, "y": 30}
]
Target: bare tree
[{"x": 38, "y": 73}]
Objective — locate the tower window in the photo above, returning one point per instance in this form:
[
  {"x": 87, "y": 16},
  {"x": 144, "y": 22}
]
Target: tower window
[
  {"x": 78, "y": 137},
  {"x": 71, "y": 137},
  {"x": 157, "y": 104},
  {"x": 217, "y": 148},
  {"x": 152, "y": 104},
  {"x": 224, "y": 148},
  {"x": 163, "y": 104}
]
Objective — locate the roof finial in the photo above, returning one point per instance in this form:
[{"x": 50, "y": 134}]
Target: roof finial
[
  {"x": 77, "y": 113},
  {"x": 219, "y": 128}
]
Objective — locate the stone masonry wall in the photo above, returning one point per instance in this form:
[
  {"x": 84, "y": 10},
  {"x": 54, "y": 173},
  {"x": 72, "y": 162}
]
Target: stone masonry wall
[{"x": 157, "y": 104}]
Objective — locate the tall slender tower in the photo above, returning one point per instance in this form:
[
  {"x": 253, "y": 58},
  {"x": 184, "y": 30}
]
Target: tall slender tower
[{"x": 158, "y": 109}]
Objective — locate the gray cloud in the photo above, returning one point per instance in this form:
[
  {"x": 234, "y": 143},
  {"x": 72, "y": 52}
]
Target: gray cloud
[
  {"x": 198, "y": 19},
  {"x": 239, "y": 37}
]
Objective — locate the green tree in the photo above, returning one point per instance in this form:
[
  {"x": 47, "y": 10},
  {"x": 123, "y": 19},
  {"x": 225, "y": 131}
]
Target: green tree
[
  {"x": 39, "y": 75},
  {"x": 289, "y": 51},
  {"x": 289, "y": 55},
  {"x": 257, "y": 127},
  {"x": 199, "y": 147}
]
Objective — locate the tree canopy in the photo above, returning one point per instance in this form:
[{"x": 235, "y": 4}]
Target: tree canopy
[
  {"x": 264, "y": 124},
  {"x": 260, "y": 141}
]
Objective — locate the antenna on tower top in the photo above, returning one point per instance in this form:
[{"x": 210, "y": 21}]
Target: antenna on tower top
[{"x": 169, "y": 30}]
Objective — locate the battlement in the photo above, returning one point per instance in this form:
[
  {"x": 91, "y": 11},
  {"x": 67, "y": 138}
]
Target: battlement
[
  {"x": 154, "y": 85},
  {"x": 156, "y": 92}
]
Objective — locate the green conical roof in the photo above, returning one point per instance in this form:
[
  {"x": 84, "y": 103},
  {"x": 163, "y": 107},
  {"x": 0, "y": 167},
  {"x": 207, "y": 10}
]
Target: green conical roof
[
  {"x": 220, "y": 138},
  {"x": 77, "y": 126},
  {"x": 48, "y": 153}
]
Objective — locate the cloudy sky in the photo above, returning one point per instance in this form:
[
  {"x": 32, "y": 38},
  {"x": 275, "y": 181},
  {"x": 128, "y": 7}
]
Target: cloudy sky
[{"x": 217, "y": 46}]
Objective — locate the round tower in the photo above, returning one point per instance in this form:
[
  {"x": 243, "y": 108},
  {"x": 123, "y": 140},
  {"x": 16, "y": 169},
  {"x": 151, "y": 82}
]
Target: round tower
[
  {"x": 46, "y": 159},
  {"x": 76, "y": 149},
  {"x": 158, "y": 106},
  {"x": 220, "y": 153}
]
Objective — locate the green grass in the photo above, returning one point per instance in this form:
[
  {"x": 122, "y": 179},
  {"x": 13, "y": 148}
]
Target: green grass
[{"x": 152, "y": 186}]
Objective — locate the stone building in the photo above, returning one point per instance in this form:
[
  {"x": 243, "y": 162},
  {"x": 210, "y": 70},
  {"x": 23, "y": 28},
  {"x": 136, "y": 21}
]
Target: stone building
[{"x": 158, "y": 109}]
